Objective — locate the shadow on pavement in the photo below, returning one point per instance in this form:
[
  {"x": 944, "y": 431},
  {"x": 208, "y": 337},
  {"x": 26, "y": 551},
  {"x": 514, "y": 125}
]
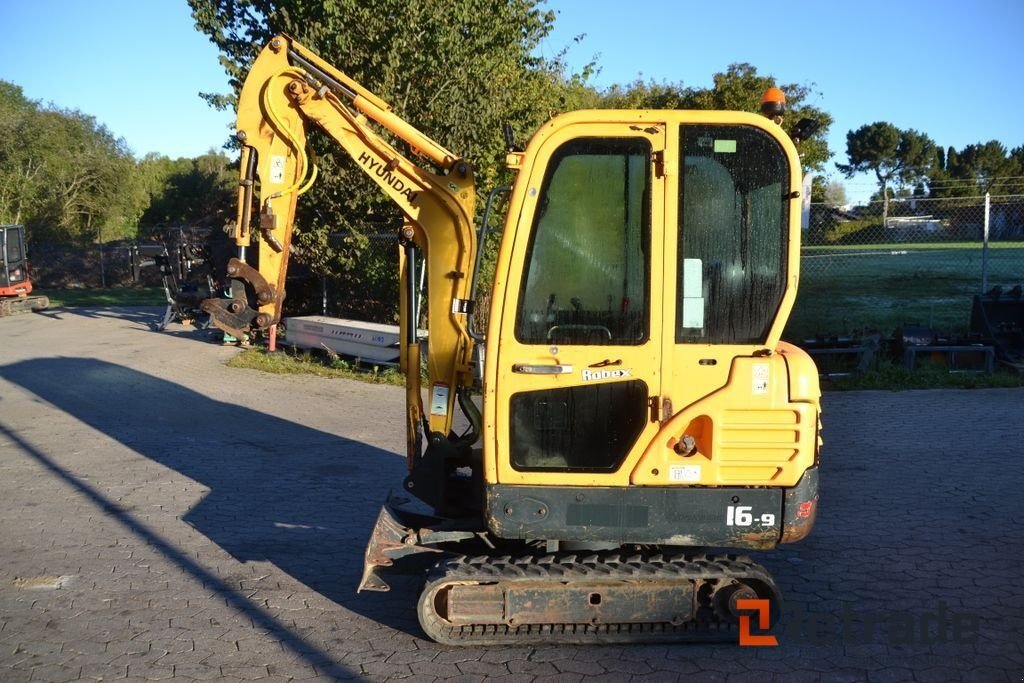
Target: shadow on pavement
[
  {"x": 186, "y": 332},
  {"x": 142, "y": 319},
  {"x": 302, "y": 499},
  {"x": 144, "y": 315}
]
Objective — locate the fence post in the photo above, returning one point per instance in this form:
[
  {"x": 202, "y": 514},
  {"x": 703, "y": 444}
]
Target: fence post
[
  {"x": 103, "y": 269},
  {"x": 984, "y": 245}
]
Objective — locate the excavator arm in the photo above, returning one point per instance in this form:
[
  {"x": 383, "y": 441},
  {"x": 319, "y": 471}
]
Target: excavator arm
[{"x": 288, "y": 90}]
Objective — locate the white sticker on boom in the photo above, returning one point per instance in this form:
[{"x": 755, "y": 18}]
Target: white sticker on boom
[
  {"x": 761, "y": 372},
  {"x": 684, "y": 473},
  {"x": 439, "y": 400},
  {"x": 277, "y": 169}
]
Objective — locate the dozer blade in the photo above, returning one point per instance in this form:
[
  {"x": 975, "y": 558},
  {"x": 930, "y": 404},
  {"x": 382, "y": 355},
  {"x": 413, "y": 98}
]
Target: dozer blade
[
  {"x": 387, "y": 538},
  {"x": 400, "y": 534},
  {"x": 418, "y": 540}
]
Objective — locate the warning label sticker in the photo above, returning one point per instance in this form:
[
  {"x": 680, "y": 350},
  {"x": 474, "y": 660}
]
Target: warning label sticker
[
  {"x": 761, "y": 374},
  {"x": 684, "y": 473},
  {"x": 277, "y": 169},
  {"x": 439, "y": 400}
]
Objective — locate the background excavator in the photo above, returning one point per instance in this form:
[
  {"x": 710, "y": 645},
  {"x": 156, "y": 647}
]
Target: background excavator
[
  {"x": 15, "y": 285},
  {"x": 636, "y": 407}
]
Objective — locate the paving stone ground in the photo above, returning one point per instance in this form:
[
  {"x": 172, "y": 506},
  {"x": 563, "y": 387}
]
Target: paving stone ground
[{"x": 163, "y": 516}]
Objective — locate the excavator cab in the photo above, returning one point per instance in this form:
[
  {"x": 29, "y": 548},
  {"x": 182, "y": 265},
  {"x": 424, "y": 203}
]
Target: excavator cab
[
  {"x": 638, "y": 404},
  {"x": 643, "y": 256}
]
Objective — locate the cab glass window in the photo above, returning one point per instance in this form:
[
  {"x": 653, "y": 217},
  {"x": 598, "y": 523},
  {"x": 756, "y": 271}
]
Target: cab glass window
[
  {"x": 733, "y": 234},
  {"x": 588, "y": 263},
  {"x": 13, "y": 247},
  {"x": 588, "y": 428}
]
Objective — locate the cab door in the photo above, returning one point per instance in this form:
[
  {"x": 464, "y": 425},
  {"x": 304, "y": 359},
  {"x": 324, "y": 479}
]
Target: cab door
[
  {"x": 577, "y": 370},
  {"x": 12, "y": 251}
]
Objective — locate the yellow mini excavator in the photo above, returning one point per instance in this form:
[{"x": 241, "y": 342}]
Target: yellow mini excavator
[{"x": 639, "y": 413}]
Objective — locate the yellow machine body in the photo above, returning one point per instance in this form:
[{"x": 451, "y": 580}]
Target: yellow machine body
[{"x": 636, "y": 395}]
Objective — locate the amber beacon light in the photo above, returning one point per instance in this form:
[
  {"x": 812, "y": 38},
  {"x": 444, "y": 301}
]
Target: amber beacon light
[{"x": 773, "y": 104}]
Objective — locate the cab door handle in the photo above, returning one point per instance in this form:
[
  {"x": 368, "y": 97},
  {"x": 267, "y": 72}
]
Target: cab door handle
[{"x": 527, "y": 369}]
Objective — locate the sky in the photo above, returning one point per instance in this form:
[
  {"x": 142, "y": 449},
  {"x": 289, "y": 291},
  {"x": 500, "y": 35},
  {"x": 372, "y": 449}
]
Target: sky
[{"x": 948, "y": 68}]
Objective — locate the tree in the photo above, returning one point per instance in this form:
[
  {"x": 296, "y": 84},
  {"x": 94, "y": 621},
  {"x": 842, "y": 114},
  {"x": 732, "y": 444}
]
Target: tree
[
  {"x": 740, "y": 87},
  {"x": 978, "y": 169},
  {"x": 198, "y": 192},
  {"x": 817, "y": 189},
  {"x": 21, "y": 171},
  {"x": 895, "y": 156},
  {"x": 985, "y": 164},
  {"x": 1016, "y": 171},
  {"x": 62, "y": 173},
  {"x": 835, "y": 194},
  {"x": 457, "y": 71}
]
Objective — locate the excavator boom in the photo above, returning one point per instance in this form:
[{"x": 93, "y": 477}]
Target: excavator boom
[{"x": 288, "y": 90}]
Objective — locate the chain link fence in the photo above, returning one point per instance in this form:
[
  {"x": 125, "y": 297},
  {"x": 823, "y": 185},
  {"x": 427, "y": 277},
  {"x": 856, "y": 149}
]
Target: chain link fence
[
  {"x": 864, "y": 270},
  {"x": 916, "y": 261},
  {"x": 363, "y": 287},
  {"x": 63, "y": 266}
]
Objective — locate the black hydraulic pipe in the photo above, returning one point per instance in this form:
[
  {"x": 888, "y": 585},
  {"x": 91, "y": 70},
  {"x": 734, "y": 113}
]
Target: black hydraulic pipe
[
  {"x": 323, "y": 77},
  {"x": 248, "y": 189},
  {"x": 480, "y": 242},
  {"x": 410, "y": 291}
]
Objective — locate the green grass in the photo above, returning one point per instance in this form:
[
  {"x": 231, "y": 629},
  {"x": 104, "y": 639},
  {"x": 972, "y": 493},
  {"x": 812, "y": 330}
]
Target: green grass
[
  {"x": 844, "y": 290},
  {"x": 116, "y": 296},
  {"x": 304, "y": 363},
  {"x": 887, "y": 376},
  {"x": 915, "y": 246},
  {"x": 890, "y": 376}
]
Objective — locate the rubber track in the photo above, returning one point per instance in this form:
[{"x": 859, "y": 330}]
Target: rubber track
[
  {"x": 605, "y": 565},
  {"x": 16, "y": 305}
]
